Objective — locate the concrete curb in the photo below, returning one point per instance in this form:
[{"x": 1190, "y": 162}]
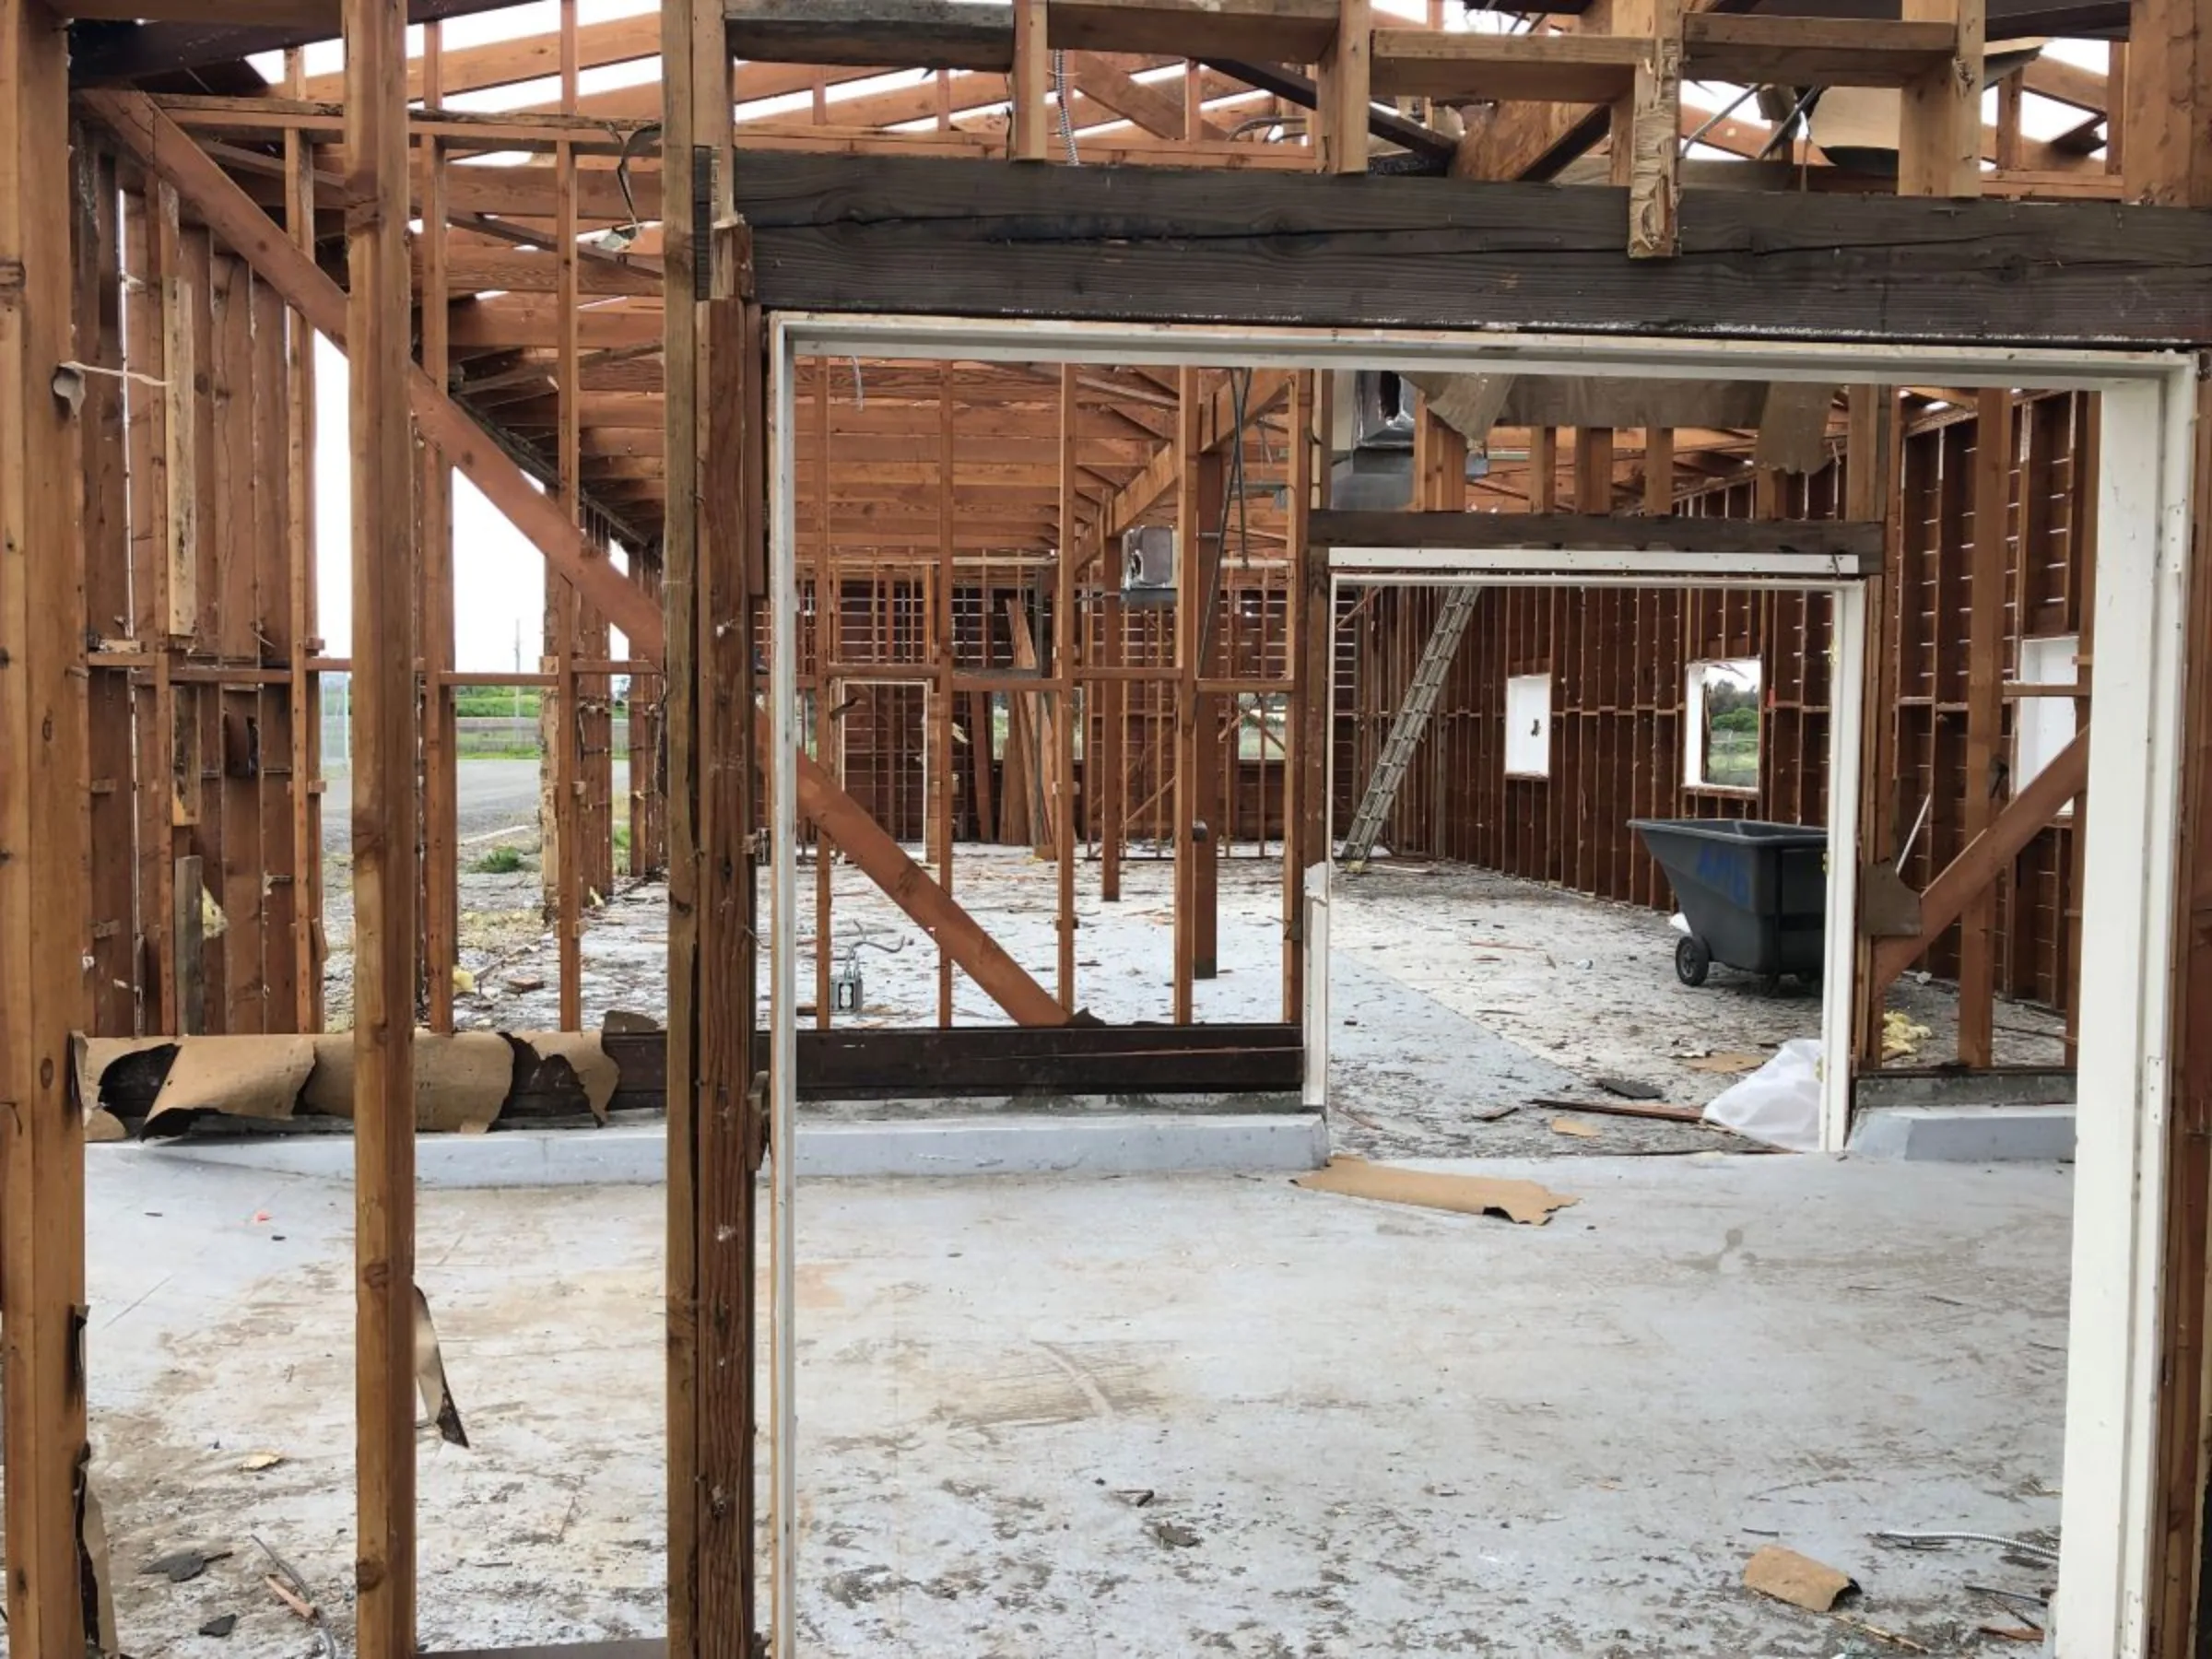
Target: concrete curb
[{"x": 1966, "y": 1134}]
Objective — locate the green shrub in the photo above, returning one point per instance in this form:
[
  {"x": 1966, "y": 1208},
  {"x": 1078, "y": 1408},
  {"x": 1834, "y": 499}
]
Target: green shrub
[{"x": 499, "y": 861}]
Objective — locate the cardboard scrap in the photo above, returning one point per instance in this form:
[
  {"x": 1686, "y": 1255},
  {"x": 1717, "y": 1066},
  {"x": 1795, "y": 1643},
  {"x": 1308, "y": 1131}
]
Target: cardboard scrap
[
  {"x": 1526, "y": 1202},
  {"x": 97, "y": 1561},
  {"x": 1726, "y": 1064},
  {"x": 586, "y": 1056},
  {"x": 93, "y": 1055},
  {"x": 1799, "y": 1580},
  {"x": 461, "y": 1079},
  {"x": 429, "y": 1376},
  {"x": 239, "y": 1076},
  {"x": 1568, "y": 1126}
]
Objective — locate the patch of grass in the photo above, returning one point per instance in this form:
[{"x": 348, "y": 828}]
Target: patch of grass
[{"x": 499, "y": 861}]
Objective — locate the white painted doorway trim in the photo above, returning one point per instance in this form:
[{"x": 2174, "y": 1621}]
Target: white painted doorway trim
[
  {"x": 1439, "y": 568},
  {"x": 2119, "y": 1185}
]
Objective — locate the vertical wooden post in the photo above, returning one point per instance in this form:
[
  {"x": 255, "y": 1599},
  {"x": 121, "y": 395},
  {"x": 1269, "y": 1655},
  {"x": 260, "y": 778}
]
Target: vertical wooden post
[
  {"x": 300, "y": 539},
  {"x": 942, "y": 638},
  {"x": 1308, "y": 626},
  {"x": 385, "y": 585},
  {"x": 1984, "y": 714},
  {"x": 563, "y": 726},
  {"x": 1032, "y": 74},
  {"x": 1939, "y": 132},
  {"x": 1189, "y": 609},
  {"x": 112, "y": 983},
  {"x": 1340, "y": 106},
  {"x": 1871, "y": 483},
  {"x": 148, "y": 243},
  {"x": 44, "y": 889},
  {"x": 441, "y": 769},
  {"x": 1648, "y": 162},
  {"x": 1113, "y": 768},
  {"x": 711, "y": 552},
  {"x": 827, "y": 598},
  {"x": 1064, "y": 677},
  {"x": 2156, "y": 105}
]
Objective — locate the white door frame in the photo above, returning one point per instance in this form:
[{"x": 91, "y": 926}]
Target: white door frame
[
  {"x": 1352, "y": 566},
  {"x": 2147, "y": 419}
]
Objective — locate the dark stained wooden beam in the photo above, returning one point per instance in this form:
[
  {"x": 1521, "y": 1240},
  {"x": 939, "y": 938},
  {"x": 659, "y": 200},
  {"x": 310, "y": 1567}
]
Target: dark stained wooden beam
[
  {"x": 958, "y": 238},
  {"x": 913, "y": 34},
  {"x": 102, "y": 53}
]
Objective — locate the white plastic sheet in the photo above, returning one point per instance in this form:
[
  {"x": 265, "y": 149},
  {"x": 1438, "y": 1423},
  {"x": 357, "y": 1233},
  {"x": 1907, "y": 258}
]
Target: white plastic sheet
[{"x": 1778, "y": 1104}]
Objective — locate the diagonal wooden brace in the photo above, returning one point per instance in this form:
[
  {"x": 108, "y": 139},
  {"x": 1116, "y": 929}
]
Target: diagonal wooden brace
[{"x": 167, "y": 151}]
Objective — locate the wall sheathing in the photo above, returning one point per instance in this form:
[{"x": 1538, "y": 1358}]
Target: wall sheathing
[{"x": 197, "y": 673}]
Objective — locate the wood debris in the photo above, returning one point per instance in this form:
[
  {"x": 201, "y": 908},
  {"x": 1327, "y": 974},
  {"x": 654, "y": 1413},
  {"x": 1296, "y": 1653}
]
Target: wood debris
[
  {"x": 1797, "y": 1579},
  {"x": 1526, "y": 1202}
]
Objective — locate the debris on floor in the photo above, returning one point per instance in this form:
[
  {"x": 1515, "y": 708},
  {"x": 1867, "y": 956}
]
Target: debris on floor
[
  {"x": 1778, "y": 1104},
  {"x": 1727, "y": 1063},
  {"x": 429, "y": 1377},
  {"x": 182, "y": 1566},
  {"x": 1665, "y": 1114},
  {"x": 1526, "y": 1202},
  {"x": 1902, "y": 1035},
  {"x": 1797, "y": 1579},
  {"x": 1569, "y": 1127},
  {"x": 1631, "y": 1088}
]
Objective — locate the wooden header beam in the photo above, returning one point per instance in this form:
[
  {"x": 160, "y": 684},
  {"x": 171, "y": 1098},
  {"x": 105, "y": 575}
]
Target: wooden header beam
[{"x": 928, "y": 236}]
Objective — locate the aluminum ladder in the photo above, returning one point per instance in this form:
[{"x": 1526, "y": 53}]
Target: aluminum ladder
[{"x": 1412, "y": 721}]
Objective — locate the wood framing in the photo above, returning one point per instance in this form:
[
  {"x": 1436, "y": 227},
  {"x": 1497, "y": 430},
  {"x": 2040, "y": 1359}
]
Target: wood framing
[
  {"x": 713, "y": 376},
  {"x": 386, "y": 584},
  {"x": 44, "y": 888}
]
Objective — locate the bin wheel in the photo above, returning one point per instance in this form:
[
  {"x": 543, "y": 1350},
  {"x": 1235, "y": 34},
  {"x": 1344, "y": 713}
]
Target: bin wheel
[{"x": 1692, "y": 961}]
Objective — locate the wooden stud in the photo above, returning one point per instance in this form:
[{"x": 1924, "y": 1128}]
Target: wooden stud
[
  {"x": 43, "y": 878},
  {"x": 306, "y": 687},
  {"x": 712, "y": 380},
  {"x": 1189, "y": 606},
  {"x": 942, "y": 653},
  {"x": 386, "y": 582},
  {"x": 1032, "y": 77},
  {"x": 1871, "y": 483},
  {"x": 1064, "y": 683},
  {"x": 110, "y": 1006},
  {"x": 1651, "y": 155},
  {"x": 1310, "y": 630},
  {"x": 562, "y": 713},
  {"x": 1939, "y": 134},
  {"x": 440, "y": 731},
  {"x": 1112, "y": 755},
  {"x": 1984, "y": 711},
  {"x": 1340, "y": 112},
  {"x": 827, "y": 593}
]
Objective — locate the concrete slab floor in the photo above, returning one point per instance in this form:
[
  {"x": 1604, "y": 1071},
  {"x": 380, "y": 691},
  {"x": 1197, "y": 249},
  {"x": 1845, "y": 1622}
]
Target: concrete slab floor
[{"x": 1365, "y": 1428}]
